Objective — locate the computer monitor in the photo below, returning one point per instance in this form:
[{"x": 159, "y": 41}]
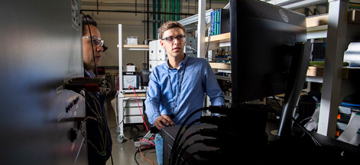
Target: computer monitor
[{"x": 269, "y": 53}]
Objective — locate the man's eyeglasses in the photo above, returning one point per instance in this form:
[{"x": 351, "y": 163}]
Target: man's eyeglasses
[
  {"x": 97, "y": 41},
  {"x": 171, "y": 38}
]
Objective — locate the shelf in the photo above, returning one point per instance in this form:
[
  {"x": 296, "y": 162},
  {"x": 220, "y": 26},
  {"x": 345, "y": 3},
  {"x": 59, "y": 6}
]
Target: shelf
[
  {"x": 315, "y": 73},
  {"x": 226, "y": 78},
  {"x": 317, "y": 20},
  {"x": 225, "y": 37},
  {"x": 315, "y": 25},
  {"x": 138, "y": 95},
  {"x": 136, "y": 90},
  {"x": 136, "y": 47},
  {"x": 316, "y": 28},
  {"x": 223, "y": 66}
]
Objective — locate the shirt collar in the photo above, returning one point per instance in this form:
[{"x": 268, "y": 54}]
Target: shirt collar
[
  {"x": 90, "y": 74},
  {"x": 182, "y": 63}
]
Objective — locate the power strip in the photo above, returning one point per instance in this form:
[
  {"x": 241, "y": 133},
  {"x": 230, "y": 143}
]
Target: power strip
[{"x": 147, "y": 137}]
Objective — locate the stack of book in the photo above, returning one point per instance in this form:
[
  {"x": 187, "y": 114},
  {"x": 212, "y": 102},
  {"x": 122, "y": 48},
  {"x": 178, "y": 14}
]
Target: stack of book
[{"x": 220, "y": 21}]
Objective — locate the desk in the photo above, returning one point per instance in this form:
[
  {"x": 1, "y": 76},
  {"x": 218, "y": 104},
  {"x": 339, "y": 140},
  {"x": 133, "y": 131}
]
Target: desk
[
  {"x": 128, "y": 111},
  {"x": 279, "y": 150}
]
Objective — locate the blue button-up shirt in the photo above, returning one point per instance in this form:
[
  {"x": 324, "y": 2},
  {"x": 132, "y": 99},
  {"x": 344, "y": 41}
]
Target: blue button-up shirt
[{"x": 198, "y": 79}]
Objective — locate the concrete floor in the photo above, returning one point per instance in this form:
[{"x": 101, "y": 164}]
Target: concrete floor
[{"x": 123, "y": 154}]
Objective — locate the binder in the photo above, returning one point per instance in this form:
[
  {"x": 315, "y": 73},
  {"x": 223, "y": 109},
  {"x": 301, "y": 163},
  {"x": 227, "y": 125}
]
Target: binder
[
  {"x": 216, "y": 22},
  {"x": 212, "y": 19},
  {"x": 220, "y": 21}
]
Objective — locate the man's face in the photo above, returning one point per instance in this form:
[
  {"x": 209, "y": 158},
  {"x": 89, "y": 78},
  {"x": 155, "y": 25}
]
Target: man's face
[
  {"x": 87, "y": 48},
  {"x": 174, "y": 48}
]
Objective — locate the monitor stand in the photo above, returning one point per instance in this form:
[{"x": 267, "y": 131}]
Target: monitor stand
[{"x": 297, "y": 76}]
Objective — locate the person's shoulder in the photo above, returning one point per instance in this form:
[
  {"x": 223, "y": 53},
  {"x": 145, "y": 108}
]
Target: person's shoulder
[
  {"x": 198, "y": 61},
  {"x": 159, "y": 69}
]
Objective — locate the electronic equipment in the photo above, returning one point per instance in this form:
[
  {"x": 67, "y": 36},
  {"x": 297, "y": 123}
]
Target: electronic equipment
[
  {"x": 145, "y": 77},
  {"x": 157, "y": 54},
  {"x": 318, "y": 52},
  {"x": 42, "y": 51},
  {"x": 83, "y": 83},
  {"x": 260, "y": 61},
  {"x": 191, "y": 46},
  {"x": 130, "y": 79},
  {"x": 160, "y": 52},
  {"x": 225, "y": 136},
  {"x": 269, "y": 54},
  {"x": 152, "y": 50}
]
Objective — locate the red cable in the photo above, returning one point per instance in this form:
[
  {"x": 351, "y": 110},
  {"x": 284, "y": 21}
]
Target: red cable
[
  {"x": 139, "y": 108},
  {"x": 152, "y": 163},
  {"x": 148, "y": 142}
]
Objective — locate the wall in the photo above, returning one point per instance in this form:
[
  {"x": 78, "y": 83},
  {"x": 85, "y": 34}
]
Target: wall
[{"x": 133, "y": 25}]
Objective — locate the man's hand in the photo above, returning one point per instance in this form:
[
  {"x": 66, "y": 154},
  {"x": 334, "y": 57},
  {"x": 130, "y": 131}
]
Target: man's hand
[{"x": 163, "y": 121}]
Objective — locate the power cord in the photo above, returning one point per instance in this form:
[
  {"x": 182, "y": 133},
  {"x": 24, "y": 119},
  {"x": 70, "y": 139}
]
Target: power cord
[{"x": 317, "y": 143}]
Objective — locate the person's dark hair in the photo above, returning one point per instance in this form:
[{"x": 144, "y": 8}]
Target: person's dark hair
[{"x": 87, "y": 20}]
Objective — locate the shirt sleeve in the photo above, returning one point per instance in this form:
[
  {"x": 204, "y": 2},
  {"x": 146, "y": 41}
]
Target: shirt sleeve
[
  {"x": 212, "y": 88},
  {"x": 152, "y": 102}
]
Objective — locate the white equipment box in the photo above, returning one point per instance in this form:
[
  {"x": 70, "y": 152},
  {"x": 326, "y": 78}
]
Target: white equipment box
[{"x": 157, "y": 54}]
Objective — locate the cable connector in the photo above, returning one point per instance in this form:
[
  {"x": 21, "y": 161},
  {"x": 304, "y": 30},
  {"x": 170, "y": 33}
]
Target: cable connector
[{"x": 83, "y": 83}]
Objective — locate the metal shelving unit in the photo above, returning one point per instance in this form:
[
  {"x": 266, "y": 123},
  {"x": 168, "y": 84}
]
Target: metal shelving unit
[
  {"x": 126, "y": 114},
  {"x": 339, "y": 34}
]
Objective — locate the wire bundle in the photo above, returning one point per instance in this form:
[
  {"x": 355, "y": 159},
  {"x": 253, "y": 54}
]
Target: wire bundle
[
  {"x": 101, "y": 125},
  {"x": 177, "y": 150},
  {"x": 224, "y": 140},
  {"x": 146, "y": 139}
]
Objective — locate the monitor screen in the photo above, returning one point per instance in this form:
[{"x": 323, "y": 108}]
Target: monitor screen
[{"x": 261, "y": 39}]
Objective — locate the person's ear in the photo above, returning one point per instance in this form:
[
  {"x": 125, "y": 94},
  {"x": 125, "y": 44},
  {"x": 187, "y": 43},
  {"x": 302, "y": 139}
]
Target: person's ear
[{"x": 162, "y": 43}]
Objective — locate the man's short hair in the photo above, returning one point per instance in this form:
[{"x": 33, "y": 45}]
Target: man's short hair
[
  {"x": 87, "y": 20},
  {"x": 169, "y": 25}
]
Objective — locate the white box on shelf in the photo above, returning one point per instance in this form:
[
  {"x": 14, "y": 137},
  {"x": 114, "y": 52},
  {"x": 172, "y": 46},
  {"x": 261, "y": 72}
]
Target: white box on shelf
[
  {"x": 130, "y": 68},
  {"x": 152, "y": 65},
  {"x": 130, "y": 80},
  {"x": 132, "y": 40},
  {"x": 161, "y": 53},
  {"x": 153, "y": 50}
]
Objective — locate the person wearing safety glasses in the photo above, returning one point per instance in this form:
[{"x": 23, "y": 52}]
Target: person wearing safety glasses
[{"x": 177, "y": 87}]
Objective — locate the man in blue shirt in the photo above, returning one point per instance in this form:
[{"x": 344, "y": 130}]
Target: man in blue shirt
[{"x": 177, "y": 87}]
